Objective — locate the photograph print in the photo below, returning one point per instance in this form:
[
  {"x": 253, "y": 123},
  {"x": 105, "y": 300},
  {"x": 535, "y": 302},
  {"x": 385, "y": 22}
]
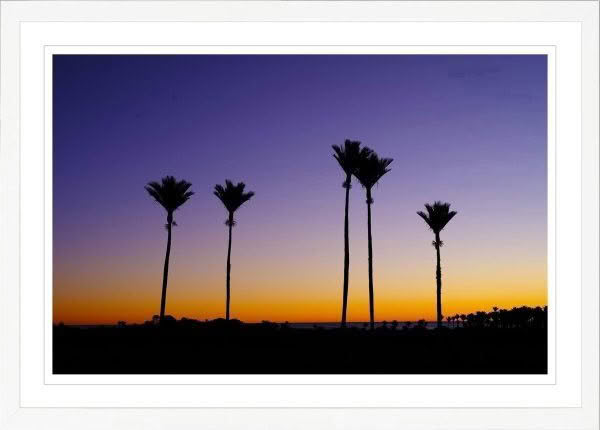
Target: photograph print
[{"x": 300, "y": 214}]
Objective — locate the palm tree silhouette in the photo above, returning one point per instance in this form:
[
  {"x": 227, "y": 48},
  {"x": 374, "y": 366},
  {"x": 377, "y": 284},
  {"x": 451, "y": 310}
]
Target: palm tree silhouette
[
  {"x": 232, "y": 197},
  {"x": 170, "y": 194},
  {"x": 369, "y": 172},
  {"x": 437, "y": 216},
  {"x": 348, "y": 157}
]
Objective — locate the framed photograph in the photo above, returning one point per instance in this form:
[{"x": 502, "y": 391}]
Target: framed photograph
[{"x": 299, "y": 215}]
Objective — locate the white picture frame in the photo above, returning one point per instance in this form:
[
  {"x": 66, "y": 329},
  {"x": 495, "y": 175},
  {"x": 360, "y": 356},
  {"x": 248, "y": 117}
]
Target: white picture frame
[{"x": 34, "y": 398}]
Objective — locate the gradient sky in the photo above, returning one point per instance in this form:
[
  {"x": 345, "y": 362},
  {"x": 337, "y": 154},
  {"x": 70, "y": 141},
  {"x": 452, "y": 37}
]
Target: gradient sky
[{"x": 467, "y": 129}]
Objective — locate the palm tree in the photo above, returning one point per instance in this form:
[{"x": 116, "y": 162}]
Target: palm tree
[
  {"x": 232, "y": 197},
  {"x": 369, "y": 172},
  {"x": 348, "y": 157},
  {"x": 437, "y": 216},
  {"x": 170, "y": 194}
]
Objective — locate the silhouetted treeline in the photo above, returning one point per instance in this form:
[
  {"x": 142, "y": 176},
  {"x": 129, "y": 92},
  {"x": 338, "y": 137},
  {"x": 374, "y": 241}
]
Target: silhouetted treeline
[
  {"x": 507, "y": 341},
  {"x": 517, "y": 317}
]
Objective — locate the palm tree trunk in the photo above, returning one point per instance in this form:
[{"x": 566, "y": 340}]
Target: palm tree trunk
[
  {"x": 346, "y": 253},
  {"x": 163, "y": 297},
  {"x": 230, "y": 223},
  {"x": 370, "y": 239},
  {"x": 438, "y": 279}
]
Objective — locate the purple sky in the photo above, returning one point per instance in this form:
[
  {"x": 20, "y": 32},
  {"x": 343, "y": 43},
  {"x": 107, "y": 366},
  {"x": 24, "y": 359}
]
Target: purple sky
[{"x": 468, "y": 129}]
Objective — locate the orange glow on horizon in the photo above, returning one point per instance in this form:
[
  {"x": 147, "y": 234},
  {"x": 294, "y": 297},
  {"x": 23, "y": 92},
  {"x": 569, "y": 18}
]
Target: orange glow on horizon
[{"x": 390, "y": 304}]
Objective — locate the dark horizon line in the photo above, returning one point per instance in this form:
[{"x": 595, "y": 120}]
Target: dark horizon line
[
  {"x": 400, "y": 321},
  {"x": 260, "y": 322}
]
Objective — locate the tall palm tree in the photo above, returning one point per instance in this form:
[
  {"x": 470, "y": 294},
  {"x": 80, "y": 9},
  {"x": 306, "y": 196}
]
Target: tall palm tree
[
  {"x": 170, "y": 194},
  {"x": 437, "y": 216},
  {"x": 232, "y": 196},
  {"x": 348, "y": 157},
  {"x": 369, "y": 172}
]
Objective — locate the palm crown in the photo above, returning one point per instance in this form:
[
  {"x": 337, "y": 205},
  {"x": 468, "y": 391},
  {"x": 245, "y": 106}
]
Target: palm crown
[
  {"x": 232, "y": 196},
  {"x": 349, "y": 156},
  {"x": 437, "y": 216},
  {"x": 170, "y": 193},
  {"x": 371, "y": 169}
]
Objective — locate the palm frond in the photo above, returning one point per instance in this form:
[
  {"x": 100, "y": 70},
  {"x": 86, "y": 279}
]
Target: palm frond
[
  {"x": 425, "y": 217},
  {"x": 232, "y": 196},
  {"x": 371, "y": 168},
  {"x": 349, "y": 155},
  {"x": 438, "y": 215},
  {"x": 169, "y": 192}
]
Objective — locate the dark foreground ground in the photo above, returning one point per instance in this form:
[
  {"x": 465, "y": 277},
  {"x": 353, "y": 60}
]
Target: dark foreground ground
[{"x": 235, "y": 348}]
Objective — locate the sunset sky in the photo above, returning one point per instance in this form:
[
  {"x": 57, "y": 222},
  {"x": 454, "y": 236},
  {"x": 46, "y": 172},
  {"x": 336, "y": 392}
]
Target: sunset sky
[{"x": 467, "y": 129}]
